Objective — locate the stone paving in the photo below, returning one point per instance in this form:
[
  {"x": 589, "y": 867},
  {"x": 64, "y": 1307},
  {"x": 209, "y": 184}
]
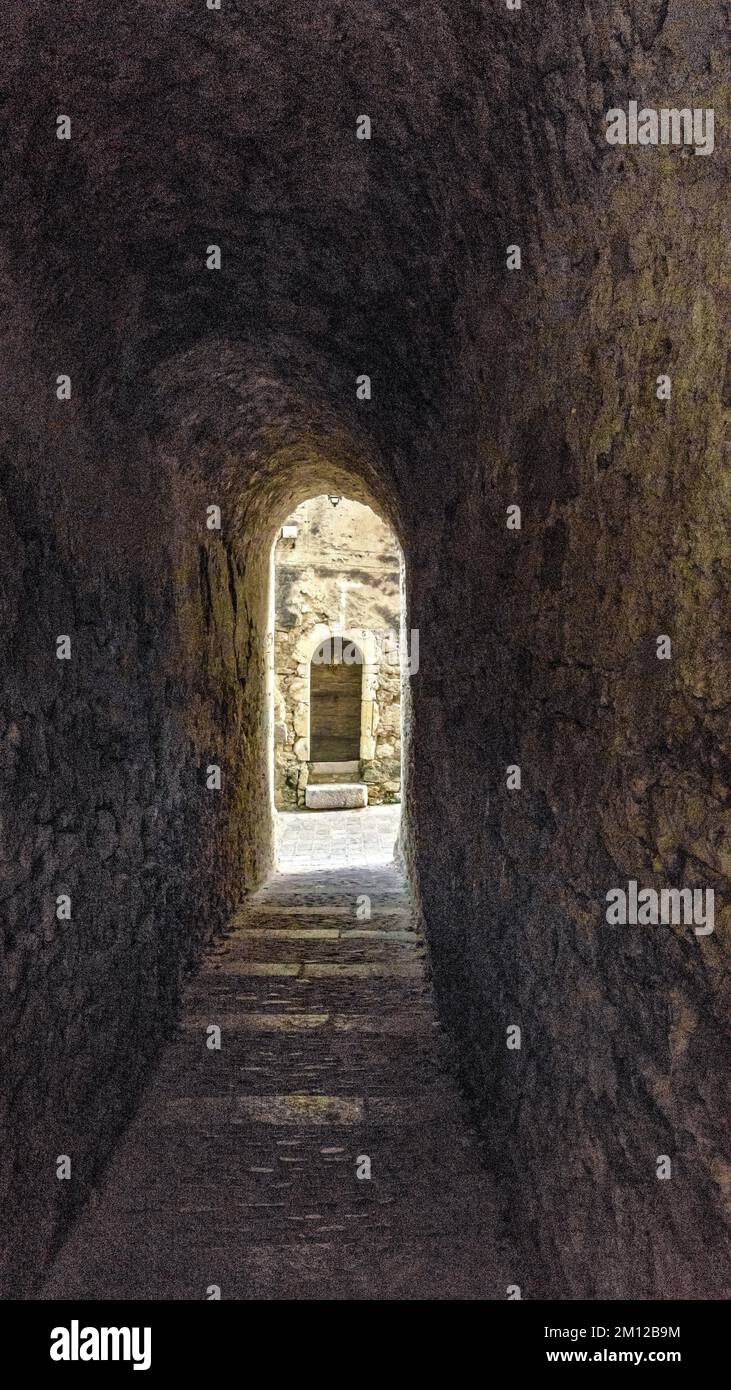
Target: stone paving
[
  {"x": 240, "y": 1169},
  {"x": 337, "y": 839}
]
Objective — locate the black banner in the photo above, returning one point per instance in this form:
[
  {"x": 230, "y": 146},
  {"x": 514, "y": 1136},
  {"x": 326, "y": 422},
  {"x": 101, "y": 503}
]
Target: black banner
[{"x": 158, "y": 1339}]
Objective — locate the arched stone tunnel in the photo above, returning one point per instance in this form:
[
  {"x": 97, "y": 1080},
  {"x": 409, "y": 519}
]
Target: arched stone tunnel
[{"x": 490, "y": 388}]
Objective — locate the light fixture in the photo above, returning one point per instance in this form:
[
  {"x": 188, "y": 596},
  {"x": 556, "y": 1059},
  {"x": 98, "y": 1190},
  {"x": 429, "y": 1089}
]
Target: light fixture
[{"x": 332, "y": 498}]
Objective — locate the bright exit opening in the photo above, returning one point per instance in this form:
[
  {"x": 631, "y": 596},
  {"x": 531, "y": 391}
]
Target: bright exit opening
[{"x": 337, "y": 682}]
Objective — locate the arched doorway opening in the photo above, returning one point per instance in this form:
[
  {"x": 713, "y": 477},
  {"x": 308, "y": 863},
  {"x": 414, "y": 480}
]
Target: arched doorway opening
[{"x": 336, "y": 675}]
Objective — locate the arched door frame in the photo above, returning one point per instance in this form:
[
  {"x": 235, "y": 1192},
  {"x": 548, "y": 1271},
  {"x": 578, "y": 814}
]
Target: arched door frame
[{"x": 365, "y": 640}]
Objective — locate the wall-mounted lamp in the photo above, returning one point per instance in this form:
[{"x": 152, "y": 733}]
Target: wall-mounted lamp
[{"x": 332, "y": 498}]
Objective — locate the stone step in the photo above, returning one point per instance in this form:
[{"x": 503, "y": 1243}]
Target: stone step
[
  {"x": 239, "y": 1167},
  {"x": 342, "y": 796},
  {"x": 330, "y": 773}
]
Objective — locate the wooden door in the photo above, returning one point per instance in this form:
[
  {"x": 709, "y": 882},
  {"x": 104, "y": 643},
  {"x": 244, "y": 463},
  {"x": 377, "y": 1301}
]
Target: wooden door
[{"x": 335, "y": 695}]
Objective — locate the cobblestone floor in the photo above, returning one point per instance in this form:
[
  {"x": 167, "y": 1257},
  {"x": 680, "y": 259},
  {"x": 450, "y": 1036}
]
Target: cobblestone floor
[
  {"x": 240, "y": 1168},
  {"x": 337, "y": 839}
]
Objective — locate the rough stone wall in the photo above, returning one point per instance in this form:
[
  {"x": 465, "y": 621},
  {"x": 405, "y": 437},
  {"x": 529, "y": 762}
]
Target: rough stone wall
[
  {"x": 104, "y": 796},
  {"x": 625, "y": 758},
  {"x": 339, "y": 575},
  {"x": 491, "y": 388}
]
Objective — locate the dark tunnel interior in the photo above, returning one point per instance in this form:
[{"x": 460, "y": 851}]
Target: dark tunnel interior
[{"x": 492, "y": 388}]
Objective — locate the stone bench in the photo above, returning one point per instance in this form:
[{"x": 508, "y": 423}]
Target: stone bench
[{"x": 343, "y": 796}]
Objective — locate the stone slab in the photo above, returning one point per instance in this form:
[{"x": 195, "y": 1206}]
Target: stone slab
[{"x": 342, "y": 797}]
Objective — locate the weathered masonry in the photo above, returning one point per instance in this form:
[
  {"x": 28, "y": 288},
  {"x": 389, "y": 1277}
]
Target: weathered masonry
[{"x": 200, "y": 268}]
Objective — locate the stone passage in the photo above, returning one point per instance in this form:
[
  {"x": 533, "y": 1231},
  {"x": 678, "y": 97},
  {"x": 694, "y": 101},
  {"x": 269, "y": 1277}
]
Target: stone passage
[
  {"x": 240, "y": 1169},
  {"x": 541, "y": 318}
]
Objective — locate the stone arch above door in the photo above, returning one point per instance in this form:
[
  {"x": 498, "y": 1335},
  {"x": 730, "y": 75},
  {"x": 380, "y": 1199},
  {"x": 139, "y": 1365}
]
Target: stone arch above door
[{"x": 367, "y": 644}]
